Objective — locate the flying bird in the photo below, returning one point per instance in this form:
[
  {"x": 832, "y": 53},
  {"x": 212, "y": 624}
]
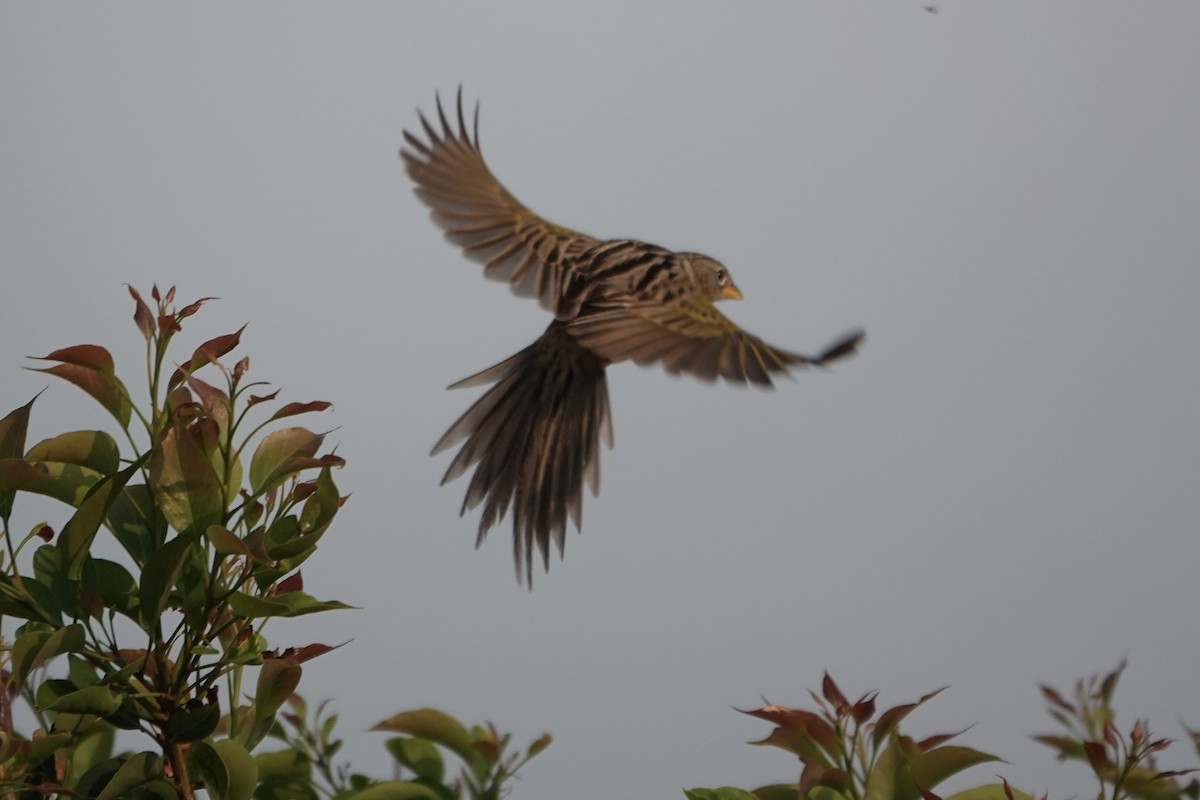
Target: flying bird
[{"x": 534, "y": 437}]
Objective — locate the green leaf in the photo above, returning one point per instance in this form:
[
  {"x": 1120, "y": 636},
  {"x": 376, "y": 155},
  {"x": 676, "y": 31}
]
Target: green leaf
[
  {"x": 226, "y": 542},
  {"x": 292, "y": 604},
  {"x": 91, "y": 368},
  {"x": 931, "y": 768},
  {"x": 159, "y": 576},
  {"x": 12, "y": 445},
  {"x": 991, "y": 791},
  {"x": 277, "y": 681},
  {"x": 419, "y": 755},
  {"x": 138, "y": 769},
  {"x": 437, "y": 727},
  {"x": 69, "y": 483},
  {"x": 240, "y": 768},
  {"x": 777, "y": 791},
  {"x": 136, "y": 523},
  {"x": 724, "y": 793},
  {"x": 15, "y": 474},
  {"x": 395, "y": 790},
  {"x": 185, "y": 478},
  {"x": 114, "y": 584},
  {"x": 98, "y": 700},
  {"x": 881, "y": 783},
  {"x": 227, "y": 769},
  {"x": 13, "y": 429},
  {"x": 95, "y": 450},
  {"x": 35, "y": 751},
  {"x": 76, "y": 538},
  {"x": 283, "y": 764},
  {"x": 91, "y": 746},
  {"x": 191, "y": 724},
  {"x": 283, "y": 453},
  {"x": 34, "y": 648}
]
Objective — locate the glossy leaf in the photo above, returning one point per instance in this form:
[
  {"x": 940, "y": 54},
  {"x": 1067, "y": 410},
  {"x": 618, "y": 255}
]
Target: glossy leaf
[
  {"x": 143, "y": 317},
  {"x": 136, "y": 522},
  {"x": 990, "y": 791},
  {"x": 34, "y": 648},
  {"x": 395, "y": 790},
  {"x": 419, "y": 755},
  {"x": 159, "y": 575},
  {"x": 98, "y": 700},
  {"x": 138, "y": 769},
  {"x": 192, "y": 724},
  {"x": 76, "y": 538},
  {"x": 293, "y": 604},
  {"x": 283, "y": 453},
  {"x": 226, "y": 542},
  {"x": 436, "y": 726},
  {"x": 293, "y": 409},
  {"x": 186, "y": 484},
  {"x": 93, "y": 449},
  {"x": 207, "y": 353},
  {"x": 929, "y": 769},
  {"x": 277, "y": 681},
  {"x": 91, "y": 369},
  {"x": 723, "y": 793},
  {"x": 13, "y": 428}
]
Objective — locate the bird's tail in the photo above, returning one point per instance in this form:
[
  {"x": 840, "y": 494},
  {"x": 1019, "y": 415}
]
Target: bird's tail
[{"x": 534, "y": 439}]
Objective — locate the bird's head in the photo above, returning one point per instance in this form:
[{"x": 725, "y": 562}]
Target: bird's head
[{"x": 713, "y": 278}]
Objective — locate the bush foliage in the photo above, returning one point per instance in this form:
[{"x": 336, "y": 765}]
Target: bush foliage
[{"x": 211, "y": 501}]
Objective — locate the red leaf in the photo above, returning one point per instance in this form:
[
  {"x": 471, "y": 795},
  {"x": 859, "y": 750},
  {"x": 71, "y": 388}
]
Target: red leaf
[
  {"x": 292, "y": 583},
  {"x": 191, "y": 308},
  {"x": 143, "y": 317},
  {"x": 292, "y": 409},
  {"x": 255, "y": 399},
  {"x": 167, "y": 324},
  {"x": 1097, "y": 756},
  {"x": 240, "y": 368},
  {"x": 834, "y": 695},
  {"x": 45, "y": 533},
  {"x": 91, "y": 356},
  {"x": 864, "y": 709},
  {"x": 1056, "y": 699}
]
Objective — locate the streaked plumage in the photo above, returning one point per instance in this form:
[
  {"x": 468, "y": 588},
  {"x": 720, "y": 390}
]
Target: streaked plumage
[{"x": 534, "y": 437}]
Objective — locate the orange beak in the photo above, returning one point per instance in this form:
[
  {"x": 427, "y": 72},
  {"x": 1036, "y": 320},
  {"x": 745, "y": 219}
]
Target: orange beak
[{"x": 730, "y": 292}]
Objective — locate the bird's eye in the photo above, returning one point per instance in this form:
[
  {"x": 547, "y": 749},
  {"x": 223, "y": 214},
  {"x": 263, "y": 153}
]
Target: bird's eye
[{"x": 722, "y": 277}]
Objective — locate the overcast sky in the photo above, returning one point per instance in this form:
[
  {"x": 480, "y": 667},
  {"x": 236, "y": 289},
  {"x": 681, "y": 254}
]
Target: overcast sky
[{"x": 1001, "y": 489}]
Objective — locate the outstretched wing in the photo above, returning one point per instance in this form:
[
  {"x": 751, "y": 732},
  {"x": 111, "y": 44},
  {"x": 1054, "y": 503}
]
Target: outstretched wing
[
  {"x": 691, "y": 335},
  {"x": 477, "y": 213}
]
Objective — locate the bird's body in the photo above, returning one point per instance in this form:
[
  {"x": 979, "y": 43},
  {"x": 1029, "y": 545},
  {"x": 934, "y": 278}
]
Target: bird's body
[{"x": 534, "y": 437}]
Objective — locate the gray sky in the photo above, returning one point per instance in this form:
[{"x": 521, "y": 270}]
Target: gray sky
[{"x": 1000, "y": 490}]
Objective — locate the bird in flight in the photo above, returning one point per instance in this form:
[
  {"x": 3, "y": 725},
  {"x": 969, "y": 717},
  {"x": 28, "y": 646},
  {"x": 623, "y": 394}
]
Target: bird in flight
[{"x": 534, "y": 437}]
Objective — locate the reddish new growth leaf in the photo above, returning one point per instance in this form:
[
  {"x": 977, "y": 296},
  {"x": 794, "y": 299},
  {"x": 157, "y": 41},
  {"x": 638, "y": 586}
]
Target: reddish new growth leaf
[
  {"x": 292, "y": 409},
  {"x": 1097, "y": 756},
  {"x": 834, "y": 695},
  {"x": 892, "y": 717},
  {"x": 292, "y": 583},
  {"x": 191, "y": 308},
  {"x": 303, "y": 490},
  {"x": 298, "y": 655},
  {"x": 90, "y": 367},
  {"x": 928, "y": 795},
  {"x": 45, "y": 533},
  {"x": 1055, "y": 698},
  {"x": 143, "y": 317},
  {"x": 168, "y": 325},
  {"x": 255, "y": 399},
  {"x": 241, "y": 368},
  {"x": 864, "y": 709},
  {"x": 207, "y": 353}
]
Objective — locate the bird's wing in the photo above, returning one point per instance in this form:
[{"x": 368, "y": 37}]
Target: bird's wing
[
  {"x": 477, "y": 213},
  {"x": 690, "y": 335}
]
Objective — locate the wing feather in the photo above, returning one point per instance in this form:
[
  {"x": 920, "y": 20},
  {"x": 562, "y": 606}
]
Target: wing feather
[
  {"x": 690, "y": 335},
  {"x": 534, "y": 255}
]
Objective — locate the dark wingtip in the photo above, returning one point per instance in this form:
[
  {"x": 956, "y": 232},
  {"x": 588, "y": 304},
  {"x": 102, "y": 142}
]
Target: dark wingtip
[{"x": 843, "y": 347}]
